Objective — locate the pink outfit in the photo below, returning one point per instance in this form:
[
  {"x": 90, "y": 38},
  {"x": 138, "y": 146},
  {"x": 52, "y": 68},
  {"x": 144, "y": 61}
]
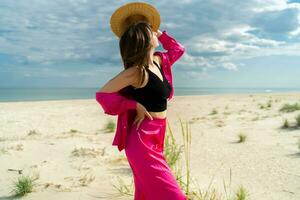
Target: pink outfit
[{"x": 144, "y": 147}]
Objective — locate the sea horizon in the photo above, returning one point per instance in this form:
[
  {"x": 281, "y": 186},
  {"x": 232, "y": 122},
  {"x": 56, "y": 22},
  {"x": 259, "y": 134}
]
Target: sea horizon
[{"x": 47, "y": 93}]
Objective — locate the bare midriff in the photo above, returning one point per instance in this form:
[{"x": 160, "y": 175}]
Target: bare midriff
[{"x": 161, "y": 114}]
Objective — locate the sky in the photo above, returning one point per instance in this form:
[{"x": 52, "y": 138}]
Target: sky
[{"x": 229, "y": 44}]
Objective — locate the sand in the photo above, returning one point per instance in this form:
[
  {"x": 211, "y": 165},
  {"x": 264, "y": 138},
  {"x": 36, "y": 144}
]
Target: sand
[{"x": 63, "y": 143}]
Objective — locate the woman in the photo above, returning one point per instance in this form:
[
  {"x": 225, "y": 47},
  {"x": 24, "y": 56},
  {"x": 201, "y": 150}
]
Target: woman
[{"x": 147, "y": 82}]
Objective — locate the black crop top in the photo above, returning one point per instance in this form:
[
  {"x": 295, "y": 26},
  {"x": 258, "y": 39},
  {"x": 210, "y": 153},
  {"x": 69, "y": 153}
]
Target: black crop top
[{"x": 155, "y": 93}]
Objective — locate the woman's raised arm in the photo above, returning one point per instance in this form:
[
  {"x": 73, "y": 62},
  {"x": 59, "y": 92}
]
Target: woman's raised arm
[
  {"x": 121, "y": 80},
  {"x": 174, "y": 48},
  {"x": 108, "y": 97}
]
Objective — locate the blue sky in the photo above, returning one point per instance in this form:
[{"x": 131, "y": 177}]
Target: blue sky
[{"x": 234, "y": 43}]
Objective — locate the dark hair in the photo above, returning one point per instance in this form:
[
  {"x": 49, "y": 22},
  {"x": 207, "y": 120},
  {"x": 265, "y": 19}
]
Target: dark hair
[{"x": 135, "y": 46}]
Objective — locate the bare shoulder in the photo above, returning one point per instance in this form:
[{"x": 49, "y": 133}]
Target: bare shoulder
[
  {"x": 131, "y": 74},
  {"x": 131, "y": 71},
  {"x": 121, "y": 80},
  {"x": 157, "y": 59}
]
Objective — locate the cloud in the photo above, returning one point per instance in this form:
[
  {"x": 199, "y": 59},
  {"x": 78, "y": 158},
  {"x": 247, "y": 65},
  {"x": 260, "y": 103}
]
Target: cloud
[
  {"x": 56, "y": 31},
  {"x": 294, "y": 1},
  {"x": 276, "y": 22},
  {"x": 230, "y": 66},
  {"x": 217, "y": 33}
]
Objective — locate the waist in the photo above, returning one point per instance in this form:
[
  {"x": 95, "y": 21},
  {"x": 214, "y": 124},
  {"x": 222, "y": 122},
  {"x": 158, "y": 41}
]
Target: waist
[
  {"x": 160, "y": 115},
  {"x": 155, "y": 108}
]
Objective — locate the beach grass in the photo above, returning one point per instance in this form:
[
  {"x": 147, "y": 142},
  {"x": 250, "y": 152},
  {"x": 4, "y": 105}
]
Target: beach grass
[
  {"x": 87, "y": 152},
  {"x": 242, "y": 137},
  {"x": 226, "y": 113},
  {"x": 261, "y": 106},
  {"x": 32, "y": 132},
  {"x": 173, "y": 154},
  {"x": 290, "y": 107},
  {"x": 110, "y": 126},
  {"x": 3, "y": 151},
  {"x": 24, "y": 185},
  {"x": 214, "y": 112},
  {"x": 124, "y": 189},
  {"x": 298, "y": 120},
  {"x": 194, "y": 192},
  {"x": 286, "y": 124},
  {"x": 86, "y": 179},
  {"x": 269, "y": 104},
  {"x": 172, "y": 150},
  {"x": 187, "y": 138},
  {"x": 241, "y": 193}
]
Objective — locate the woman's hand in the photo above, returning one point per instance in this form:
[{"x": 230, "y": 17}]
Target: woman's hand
[
  {"x": 141, "y": 112},
  {"x": 158, "y": 33}
]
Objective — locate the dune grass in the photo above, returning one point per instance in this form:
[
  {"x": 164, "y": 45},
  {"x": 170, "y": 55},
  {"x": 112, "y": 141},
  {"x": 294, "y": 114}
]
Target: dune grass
[
  {"x": 32, "y": 132},
  {"x": 187, "y": 138},
  {"x": 267, "y": 105},
  {"x": 261, "y": 106},
  {"x": 195, "y": 193},
  {"x": 286, "y": 124},
  {"x": 73, "y": 131},
  {"x": 87, "y": 152},
  {"x": 172, "y": 150},
  {"x": 290, "y": 107},
  {"x": 298, "y": 120},
  {"x": 226, "y": 113},
  {"x": 86, "y": 179},
  {"x": 124, "y": 189},
  {"x": 173, "y": 154},
  {"x": 23, "y": 185},
  {"x": 110, "y": 126},
  {"x": 241, "y": 193},
  {"x": 214, "y": 112},
  {"x": 242, "y": 137},
  {"x": 3, "y": 151}
]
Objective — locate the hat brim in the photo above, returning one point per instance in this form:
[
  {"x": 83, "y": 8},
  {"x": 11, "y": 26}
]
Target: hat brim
[{"x": 118, "y": 18}]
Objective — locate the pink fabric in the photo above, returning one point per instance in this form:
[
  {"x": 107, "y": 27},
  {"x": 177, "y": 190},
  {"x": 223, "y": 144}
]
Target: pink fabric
[
  {"x": 153, "y": 178},
  {"x": 144, "y": 147},
  {"x": 174, "y": 51},
  {"x": 116, "y": 104}
]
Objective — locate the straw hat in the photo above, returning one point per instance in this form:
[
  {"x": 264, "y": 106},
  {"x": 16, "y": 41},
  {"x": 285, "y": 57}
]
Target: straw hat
[{"x": 129, "y": 13}]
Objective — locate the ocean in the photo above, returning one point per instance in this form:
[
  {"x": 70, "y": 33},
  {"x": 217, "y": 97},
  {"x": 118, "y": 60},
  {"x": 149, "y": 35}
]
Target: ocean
[{"x": 43, "y": 94}]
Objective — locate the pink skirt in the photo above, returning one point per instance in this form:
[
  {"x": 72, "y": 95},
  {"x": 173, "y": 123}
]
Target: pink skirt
[{"x": 153, "y": 178}]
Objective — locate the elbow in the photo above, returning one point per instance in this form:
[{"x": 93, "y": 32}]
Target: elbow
[
  {"x": 102, "y": 99},
  {"x": 182, "y": 49},
  {"x": 103, "y": 89},
  {"x": 181, "y": 52},
  {"x": 104, "y": 105}
]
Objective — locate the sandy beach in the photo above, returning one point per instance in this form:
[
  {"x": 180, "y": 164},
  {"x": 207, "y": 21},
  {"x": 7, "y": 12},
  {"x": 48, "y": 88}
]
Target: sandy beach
[{"x": 64, "y": 144}]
